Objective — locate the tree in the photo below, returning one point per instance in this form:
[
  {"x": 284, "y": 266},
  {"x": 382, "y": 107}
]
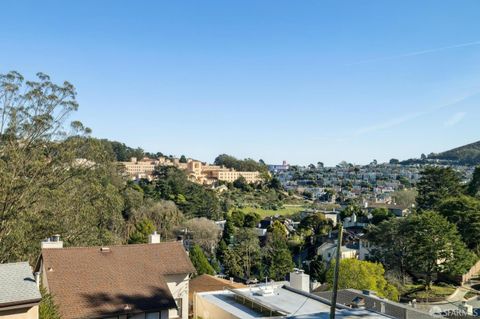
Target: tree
[
  {"x": 221, "y": 250},
  {"x": 247, "y": 248},
  {"x": 238, "y": 218},
  {"x": 204, "y": 233},
  {"x": 200, "y": 261},
  {"x": 143, "y": 228},
  {"x": 251, "y": 220},
  {"x": 390, "y": 241},
  {"x": 277, "y": 259},
  {"x": 363, "y": 275},
  {"x": 405, "y": 197},
  {"x": 53, "y": 177},
  {"x": 133, "y": 199},
  {"x": 317, "y": 223},
  {"x": 47, "y": 308},
  {"x": 473, "y": 187},
  {"x": 241, "y": 183},
  {"x": 435, "y": 185},
  {"x": 394, "y": 161},
  {"x": 275, "y": 183},
  {"x": 164, "y": 215},
  {"x": 228, "y": 231},
  {"x": 183, "y": 159},
  {"x": 380, "y": 214},
  {"x": 317, "y": 269},
  {"x": 233, "y": 264},
  {"x": 464, "y": 212},
  {"x": 240, "y": 165},
  {"x": 435, "y": 247},
  {"x": 194, "y": 200}
]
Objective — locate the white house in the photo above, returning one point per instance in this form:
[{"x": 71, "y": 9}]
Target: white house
[{"x": 328, "y": 251}]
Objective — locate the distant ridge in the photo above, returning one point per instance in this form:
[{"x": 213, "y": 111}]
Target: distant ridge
[{"x": 467, "y": 155}]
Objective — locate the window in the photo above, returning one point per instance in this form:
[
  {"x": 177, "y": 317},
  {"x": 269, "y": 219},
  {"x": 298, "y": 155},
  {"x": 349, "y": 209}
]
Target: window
[
  {"x": 178, "y": 301},
  {"x": 152, "y": 315}
]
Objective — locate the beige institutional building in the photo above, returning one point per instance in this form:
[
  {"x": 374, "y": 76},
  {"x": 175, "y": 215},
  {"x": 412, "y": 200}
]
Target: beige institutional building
[{"x": 197, "y": 171}]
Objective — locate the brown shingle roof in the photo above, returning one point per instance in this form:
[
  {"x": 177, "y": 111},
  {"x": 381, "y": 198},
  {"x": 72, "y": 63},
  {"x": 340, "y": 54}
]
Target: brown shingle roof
[
  {"x": 87, "y": 282},
  {"x": 206, "y": 282}
]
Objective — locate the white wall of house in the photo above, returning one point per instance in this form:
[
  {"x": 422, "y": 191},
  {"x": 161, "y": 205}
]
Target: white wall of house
[
  {"x": 208, "y": 310},
  {"x": 364, "y": 249},
  {"x": 178, "y": 285}
]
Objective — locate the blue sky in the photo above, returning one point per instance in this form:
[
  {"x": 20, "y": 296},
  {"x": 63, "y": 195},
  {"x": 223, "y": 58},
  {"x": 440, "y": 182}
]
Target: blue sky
[{"x": 304, "y": 81}]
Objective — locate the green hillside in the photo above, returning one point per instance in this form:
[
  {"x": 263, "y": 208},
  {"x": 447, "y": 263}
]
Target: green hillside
[{"x": 468, "y": 154}]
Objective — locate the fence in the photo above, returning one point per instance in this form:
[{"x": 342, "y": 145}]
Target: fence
[{"x": 471, "y": 273}]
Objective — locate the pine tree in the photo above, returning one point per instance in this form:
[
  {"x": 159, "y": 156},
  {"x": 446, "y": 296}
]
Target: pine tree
[{"x": 200, "y": 261}]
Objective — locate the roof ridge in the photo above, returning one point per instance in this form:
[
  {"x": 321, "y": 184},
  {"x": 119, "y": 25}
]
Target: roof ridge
[{"x": 111, "y": 246}]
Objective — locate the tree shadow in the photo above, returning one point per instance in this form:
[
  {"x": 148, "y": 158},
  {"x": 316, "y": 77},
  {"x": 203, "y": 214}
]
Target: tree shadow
[{"x": 154, "y": 299}]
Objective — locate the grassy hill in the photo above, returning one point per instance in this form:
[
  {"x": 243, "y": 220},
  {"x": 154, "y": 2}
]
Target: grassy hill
[{"x": 468, "y": 154}]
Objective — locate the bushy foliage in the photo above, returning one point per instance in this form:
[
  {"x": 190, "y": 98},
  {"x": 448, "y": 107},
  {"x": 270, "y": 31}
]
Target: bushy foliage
[
  {"x": 194, "y": 200},
  {"x": 435, "y": 185},
  {"x": 47, "y": 308},
  {"x": 200, "y": 261},
  {"x": 424, "y": 244},
  {"x": 54, "y": 178},
  {"x": 240, "y": 165},
  {"x": 143, "y": 228},
  {"x": 358, "y": 274}
]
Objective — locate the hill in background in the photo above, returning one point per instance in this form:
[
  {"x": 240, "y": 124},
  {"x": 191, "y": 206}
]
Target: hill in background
[{"x": 468, "y": 154}]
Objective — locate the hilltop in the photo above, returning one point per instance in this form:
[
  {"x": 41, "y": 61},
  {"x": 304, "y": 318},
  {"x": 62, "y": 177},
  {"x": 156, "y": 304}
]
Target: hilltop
[{"x": 467, "y": 154}]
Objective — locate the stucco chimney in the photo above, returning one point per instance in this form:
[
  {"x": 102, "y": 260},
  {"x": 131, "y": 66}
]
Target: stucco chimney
[
  {"x": 300, "y": 280},
  {"x": 52, "y": 242},
  {"x": 154, "y": 238}
]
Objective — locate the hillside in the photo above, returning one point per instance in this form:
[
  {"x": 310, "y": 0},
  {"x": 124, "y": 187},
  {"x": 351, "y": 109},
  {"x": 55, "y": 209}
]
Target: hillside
[{"x": 468, "y": 154}]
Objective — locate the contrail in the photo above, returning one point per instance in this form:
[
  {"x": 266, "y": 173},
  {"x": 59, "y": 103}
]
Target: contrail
[{"x": 410, "y": 54}]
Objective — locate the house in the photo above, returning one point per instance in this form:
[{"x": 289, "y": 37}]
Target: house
[
  {"x": 370, "y": 301},
  {"x": 328, "y": 251},
  {"x": 272, "y": 300},
  {"x": 143, "y": 281},
  {"x": 395, "y": 209},
  {"x": 207, "y": 282},
  {"x": 365, "y": 248},
  {"x": 19, "y": 293}
]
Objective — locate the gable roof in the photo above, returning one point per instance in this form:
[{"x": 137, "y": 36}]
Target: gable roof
[
  {"x": 91, "y": 282},
  {"x": 18, "y": 285}
]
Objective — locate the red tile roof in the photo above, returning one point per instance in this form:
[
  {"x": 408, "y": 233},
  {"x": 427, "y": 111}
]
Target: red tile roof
[{"x": 91, "y": 282}]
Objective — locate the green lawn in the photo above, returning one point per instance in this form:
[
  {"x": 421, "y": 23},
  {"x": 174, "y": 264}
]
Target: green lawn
[
  {"x": 417, "y": 291},
  {"x": 285, "y": 211}
]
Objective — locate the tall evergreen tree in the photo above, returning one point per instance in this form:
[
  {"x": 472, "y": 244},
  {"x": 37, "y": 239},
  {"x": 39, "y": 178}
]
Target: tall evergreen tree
[
  {"x": 435, "y": 185},
  {"x": 200, "y": 261}
]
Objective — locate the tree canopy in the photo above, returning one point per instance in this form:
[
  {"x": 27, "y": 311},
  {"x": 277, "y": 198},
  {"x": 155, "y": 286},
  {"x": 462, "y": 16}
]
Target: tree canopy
[
  {"x": 358, "y": 274},
  {"x": 240, "y": 165},
  {"x": 435, "y": 185}
]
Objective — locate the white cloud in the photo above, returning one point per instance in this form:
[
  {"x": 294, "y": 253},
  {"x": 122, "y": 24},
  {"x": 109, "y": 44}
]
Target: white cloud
[{"x": 455, "y": 119}]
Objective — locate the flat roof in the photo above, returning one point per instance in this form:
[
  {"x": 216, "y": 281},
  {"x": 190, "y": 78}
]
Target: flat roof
[{"x": 284, "y": 302}]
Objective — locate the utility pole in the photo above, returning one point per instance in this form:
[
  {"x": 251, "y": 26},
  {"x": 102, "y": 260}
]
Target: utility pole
[{"x": 336, "y": 271}]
